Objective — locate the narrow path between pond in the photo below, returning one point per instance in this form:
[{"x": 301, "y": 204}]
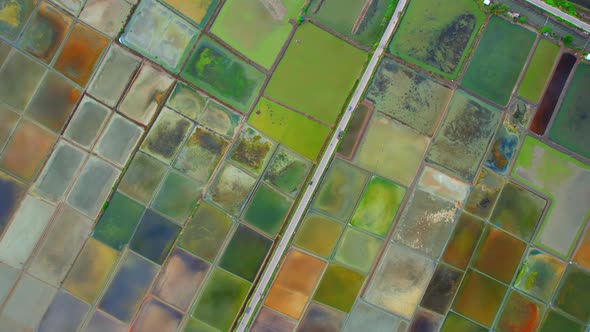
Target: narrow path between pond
[{"x": 266, "y": 278}]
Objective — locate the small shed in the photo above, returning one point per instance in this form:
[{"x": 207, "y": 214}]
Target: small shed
[{"x": 487, "y": 2}]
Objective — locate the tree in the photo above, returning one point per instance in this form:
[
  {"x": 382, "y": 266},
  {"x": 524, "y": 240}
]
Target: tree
[
  {"x": 499, "y": 9},
  {"x": 546, "y": 30},
  {"x": 567, "y": 39},
  {"x": 522, "y": 19}
]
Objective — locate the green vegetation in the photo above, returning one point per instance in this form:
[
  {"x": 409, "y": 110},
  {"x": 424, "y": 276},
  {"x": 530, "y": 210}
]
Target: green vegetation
[
  {"x": 499, "y": 9},
  {"x": 564, "y": 5},
  {"x": 223, "y": 74},
  {"x": 316, "y": 73},
  {"x": 567, "y": 40},
  {"x": 296, "y": 131},
  {"x": 388, "y": 15},
  {"x": 538, "y": 70}
]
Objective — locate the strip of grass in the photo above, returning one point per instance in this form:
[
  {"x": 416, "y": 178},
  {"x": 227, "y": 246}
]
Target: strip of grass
[
  {"x": 297, "y": 132},
  {"x": 249, "y": 27},
  {"x": 316, "y": 73},
  {"x": 538, "y": 71}
]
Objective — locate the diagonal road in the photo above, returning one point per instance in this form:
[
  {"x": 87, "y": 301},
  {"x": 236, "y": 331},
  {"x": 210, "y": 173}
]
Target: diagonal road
[
  {"x": 328, "y": 154},
  {"x": 555, "y": 11}
]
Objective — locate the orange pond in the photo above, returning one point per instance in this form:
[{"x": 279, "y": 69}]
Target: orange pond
[
  {"x": 582, "y": 256},
  {"x": 81, "y": 53},
  {"x": 27, "y": 149},
  {"x": 295, "y": 283},
  {"x": 479, "y": 298},
  {"x": 463, "y": 241},
  {"x": 499, "y": 254}
]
